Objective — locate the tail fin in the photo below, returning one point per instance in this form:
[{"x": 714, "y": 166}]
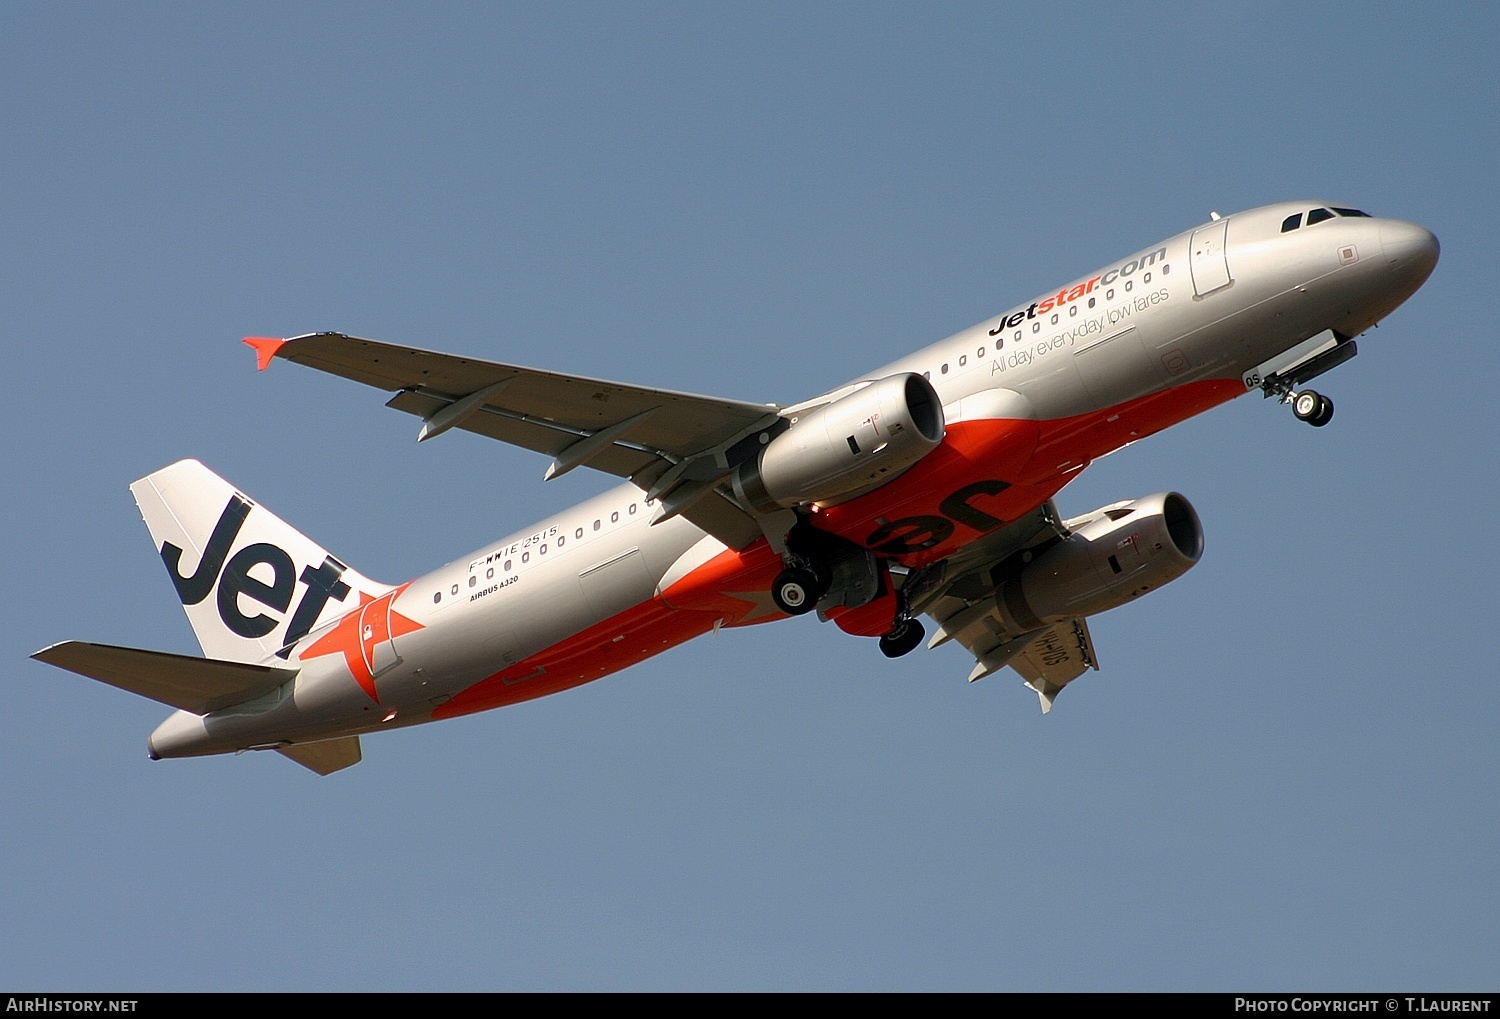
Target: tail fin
[{"x": 251, "y": 584}]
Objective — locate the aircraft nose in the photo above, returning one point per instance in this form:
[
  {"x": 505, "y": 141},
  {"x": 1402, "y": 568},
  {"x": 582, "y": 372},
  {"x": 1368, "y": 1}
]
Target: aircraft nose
[{"x": 1411, "y": 250}]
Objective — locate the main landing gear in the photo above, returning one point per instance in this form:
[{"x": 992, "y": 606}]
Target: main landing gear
[
  {"x": 903, "y": 639},
  {"x": 797, "y": 589},
  {"x": 858, "y": 589},
  {"x": 1314, "y": 408}
]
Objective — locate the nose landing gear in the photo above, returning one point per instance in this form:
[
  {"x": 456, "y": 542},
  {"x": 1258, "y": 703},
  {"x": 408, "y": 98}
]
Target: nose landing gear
[
  {"x": 1314, "y": 408},
  {"x": 1283, "y": 375}
]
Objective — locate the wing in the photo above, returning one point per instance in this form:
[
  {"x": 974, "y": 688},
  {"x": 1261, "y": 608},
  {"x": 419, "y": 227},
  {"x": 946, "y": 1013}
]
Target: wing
[
  {"x": 674, "y": 445},
  {"x": 963, "y": 597},
  {"x": 1054, "y": 658}
]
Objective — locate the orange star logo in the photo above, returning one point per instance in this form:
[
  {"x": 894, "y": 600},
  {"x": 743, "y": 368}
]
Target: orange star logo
[{"x": 366, "y": 638}]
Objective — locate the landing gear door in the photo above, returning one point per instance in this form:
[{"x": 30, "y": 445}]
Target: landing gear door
[
  {"x": 375, "y": 641},
  {"x": 1209, "y": 262}
]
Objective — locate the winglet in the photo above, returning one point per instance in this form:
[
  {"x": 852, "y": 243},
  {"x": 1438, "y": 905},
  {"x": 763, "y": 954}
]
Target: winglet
[{"x": 265, "y": 349}]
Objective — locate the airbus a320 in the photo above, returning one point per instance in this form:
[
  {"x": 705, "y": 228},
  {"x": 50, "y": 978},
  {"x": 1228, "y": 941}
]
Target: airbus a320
[{"x": 921, "y": 489}]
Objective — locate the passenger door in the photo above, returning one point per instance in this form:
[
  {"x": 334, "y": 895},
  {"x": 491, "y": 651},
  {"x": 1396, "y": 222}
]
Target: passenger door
[{"x": 1209, "y": 261}]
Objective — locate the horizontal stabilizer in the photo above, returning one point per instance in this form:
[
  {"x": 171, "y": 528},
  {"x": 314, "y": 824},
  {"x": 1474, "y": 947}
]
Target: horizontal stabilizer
[
  {"x": 326, "y": 757},
  {"x": 199, "y": 685}
]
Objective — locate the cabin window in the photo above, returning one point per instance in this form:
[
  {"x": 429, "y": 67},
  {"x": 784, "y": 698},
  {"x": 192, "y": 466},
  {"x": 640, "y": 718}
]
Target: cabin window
[
  {"x": 1054, "y": 318},
  {"x": 1073, "y": 311},
  {"x": 632, "y": 509},
  {"x": 489, "y": 574},
  {"x": 1129, "y": 285},
  {"x": 455, "y": 589},
  {"x": 560, "y": 539},
  {"x": 1036, "y": 327},
  {"x": 596, "y": 525},
  {"x": 507, "y": 565},
  {"x": 614, "y": 517},
  {"x": 473, "y": 580},
  {"x": 1109, "y": 295},
  {"x": 981, "y": 352},
  {"x": 578, "y": 533},
  {"x": 945, "y": 369},
  {"x": 544, "y": 550},
  {"x": 1291, "y": 223},
  {"x": 1091, "y": 301},
  {"x": 437, "y": 597},
  {"x": 963, "y": 360},
  {"x": 525, "y": 557}
]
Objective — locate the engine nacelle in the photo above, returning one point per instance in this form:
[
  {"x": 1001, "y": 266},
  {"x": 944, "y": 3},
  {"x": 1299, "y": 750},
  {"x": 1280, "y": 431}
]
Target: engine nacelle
[
  {"x": 852, "y": 444},
  {"x": 1114, "y": 555}
]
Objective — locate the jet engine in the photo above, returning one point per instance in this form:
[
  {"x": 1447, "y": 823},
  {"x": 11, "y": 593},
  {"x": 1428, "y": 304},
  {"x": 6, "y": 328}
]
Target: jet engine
[
  {"x": 1114, "y": 555},
  {"x": 853, "y": 444}
]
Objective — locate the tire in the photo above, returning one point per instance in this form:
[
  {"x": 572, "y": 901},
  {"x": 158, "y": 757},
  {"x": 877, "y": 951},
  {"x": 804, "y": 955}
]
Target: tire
[
  {"x": 1324, "y": 414},
  {"x": 902, "y": 640},
  {"x": 1307, "y": 405},
  {"x": 795, "y": 591}
]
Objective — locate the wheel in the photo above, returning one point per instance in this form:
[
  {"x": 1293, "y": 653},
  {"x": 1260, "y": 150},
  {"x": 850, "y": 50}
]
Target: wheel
[
  {"x": 903, "y": 639},
  {"x": 1324, "y": 414},
  {"x": 795, "y": 591},
  {"x": 1306, "y": 405}
]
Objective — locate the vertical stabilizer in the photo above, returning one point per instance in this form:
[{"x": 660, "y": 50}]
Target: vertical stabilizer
[{"x": 251, "y": 584}]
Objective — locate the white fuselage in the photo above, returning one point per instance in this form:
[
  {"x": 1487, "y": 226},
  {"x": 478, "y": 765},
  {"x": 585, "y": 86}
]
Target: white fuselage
[{"x": 1199, "y": 309}]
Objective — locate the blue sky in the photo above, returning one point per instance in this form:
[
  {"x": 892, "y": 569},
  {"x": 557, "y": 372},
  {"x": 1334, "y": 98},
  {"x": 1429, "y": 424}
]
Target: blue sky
[{"x": 1284, "y": 776}]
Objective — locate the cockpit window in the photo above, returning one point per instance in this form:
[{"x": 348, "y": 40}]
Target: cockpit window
[
  {"x": 1291, "y": 223},
  {"x": 1318, "y": 215},
  {"x": 1351, "y": 212}
]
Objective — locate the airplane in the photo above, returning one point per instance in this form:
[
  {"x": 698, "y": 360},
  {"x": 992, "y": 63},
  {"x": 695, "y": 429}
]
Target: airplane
[{"x": 923, "y": 488}]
